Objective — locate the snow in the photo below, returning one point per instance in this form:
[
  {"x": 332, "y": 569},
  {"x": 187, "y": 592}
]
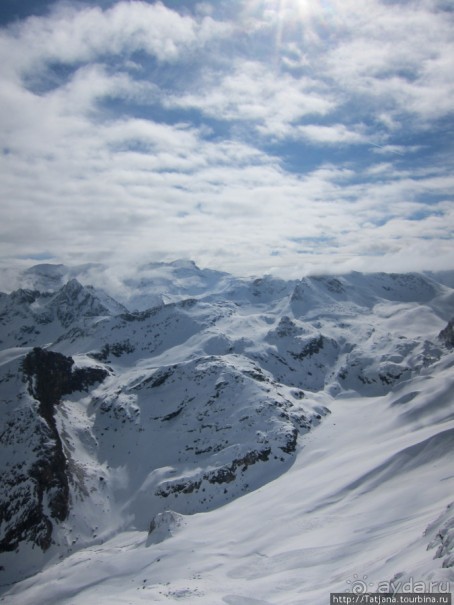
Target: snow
[
  {"x": 292, "y": 541},
  {"x": 188, "y": 437}
]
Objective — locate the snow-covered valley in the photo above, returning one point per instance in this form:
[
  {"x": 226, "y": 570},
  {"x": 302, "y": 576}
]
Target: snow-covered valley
[{"x": 239, "y": 442}]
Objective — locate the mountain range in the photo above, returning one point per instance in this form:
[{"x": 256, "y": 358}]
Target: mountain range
[{"x": 182, "y": 434}]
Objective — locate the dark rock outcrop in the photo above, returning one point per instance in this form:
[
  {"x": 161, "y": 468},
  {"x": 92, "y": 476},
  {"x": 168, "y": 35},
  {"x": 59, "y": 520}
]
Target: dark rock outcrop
[
  {"x": 447, "y": 335},
  {"x": 50, "y": 375},
  {"x": 39, "y": 494},
  {"x": 225, "y": 474}
]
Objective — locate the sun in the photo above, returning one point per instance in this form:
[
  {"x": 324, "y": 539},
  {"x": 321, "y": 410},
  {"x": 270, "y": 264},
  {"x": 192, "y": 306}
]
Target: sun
[
  {"x": 313, "y": 18},
  {"x": 285, "y": 9}
]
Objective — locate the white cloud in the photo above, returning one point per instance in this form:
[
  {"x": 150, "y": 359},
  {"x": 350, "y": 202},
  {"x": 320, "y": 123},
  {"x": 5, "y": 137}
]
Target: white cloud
[
  {"x": 252, "y": 91},
  {"x": 73, "y": 35},
  {"x": 334, "y": 134},
  {"x": 114, "y": 159},
  {"x": 394, "y": 58},
  {"x": 397, "y": 149},
  {"x": 401, "y": 57}
]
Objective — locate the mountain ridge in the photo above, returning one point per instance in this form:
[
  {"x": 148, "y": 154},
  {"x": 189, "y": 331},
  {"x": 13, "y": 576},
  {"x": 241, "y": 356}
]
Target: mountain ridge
[{"x": 191, "y": 404}]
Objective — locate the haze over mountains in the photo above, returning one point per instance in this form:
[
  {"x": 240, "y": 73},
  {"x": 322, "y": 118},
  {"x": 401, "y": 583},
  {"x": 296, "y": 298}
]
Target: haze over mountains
[{"x": 214, "y": 439}]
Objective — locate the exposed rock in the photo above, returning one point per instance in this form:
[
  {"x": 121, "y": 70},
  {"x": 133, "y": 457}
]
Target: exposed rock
[
  {"x": 35, "y": 490},
  {"x": 50, "y": 376},
  {"x": 224, "y": 474},
  {"x": 39, "y": 494},
  {"x": 116, "y": 349},
  {"x": 444, "y": 537},
  {"x": 73, "y": 301},
  {"x": 447, "y": 334},
  {"x": 290, "y": 446},
  {"x": 313, "y": 347}
]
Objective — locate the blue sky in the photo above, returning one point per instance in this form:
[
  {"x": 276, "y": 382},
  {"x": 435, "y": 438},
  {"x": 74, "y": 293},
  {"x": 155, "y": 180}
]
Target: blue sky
[{"x": 254, "y": 136}]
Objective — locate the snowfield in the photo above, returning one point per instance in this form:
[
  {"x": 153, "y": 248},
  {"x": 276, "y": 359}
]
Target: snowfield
[{"x": 242, "y": 442}]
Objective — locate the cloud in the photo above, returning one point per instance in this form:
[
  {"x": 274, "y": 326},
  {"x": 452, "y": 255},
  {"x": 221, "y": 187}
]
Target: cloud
[
  {"x": 397, "y": 149},
  {"x": 252, "y": 92},
  {"x": 389, "y": 62},
  {"x": 396, "y": 59},
  {"x": 401, "y": 56},
  {"x": 138, "y": 132},
  {"x": 77, "y": 35},
  {"x": 335, "y": 134}
]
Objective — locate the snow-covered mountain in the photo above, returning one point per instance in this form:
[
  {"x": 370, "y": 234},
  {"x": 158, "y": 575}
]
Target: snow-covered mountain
[
  {"x": 234, "y": 441},
  {"x": 146, "y": 286}
]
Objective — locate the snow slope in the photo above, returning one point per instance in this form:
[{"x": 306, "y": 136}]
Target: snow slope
[
  {"x": 341, "y": 513},
  {"x": 266, "y": 442}
]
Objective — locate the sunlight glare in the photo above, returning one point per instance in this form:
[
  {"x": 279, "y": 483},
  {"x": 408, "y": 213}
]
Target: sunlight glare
[{"x": 313, "y": 21}]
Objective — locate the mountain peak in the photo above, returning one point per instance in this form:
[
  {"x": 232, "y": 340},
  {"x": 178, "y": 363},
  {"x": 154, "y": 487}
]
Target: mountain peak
[
  {"x": 72, "y": 287},
  {"x": 182, "y": 263}
]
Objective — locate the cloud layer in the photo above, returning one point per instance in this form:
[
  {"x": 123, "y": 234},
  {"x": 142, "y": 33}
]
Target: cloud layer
[{"x": 254, "y": 136}]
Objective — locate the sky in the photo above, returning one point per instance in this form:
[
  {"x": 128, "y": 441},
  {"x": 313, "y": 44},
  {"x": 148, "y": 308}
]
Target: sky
[{"x": 252, "y": 136}]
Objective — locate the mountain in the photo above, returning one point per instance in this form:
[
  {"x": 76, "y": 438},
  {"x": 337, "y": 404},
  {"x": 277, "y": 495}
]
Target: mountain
[
  {"x": 48, "y": 278},
  {"x": 147, "y": 285},
  {"x": 31, "y": 316},
  {"x": 243, "y": 441}
]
